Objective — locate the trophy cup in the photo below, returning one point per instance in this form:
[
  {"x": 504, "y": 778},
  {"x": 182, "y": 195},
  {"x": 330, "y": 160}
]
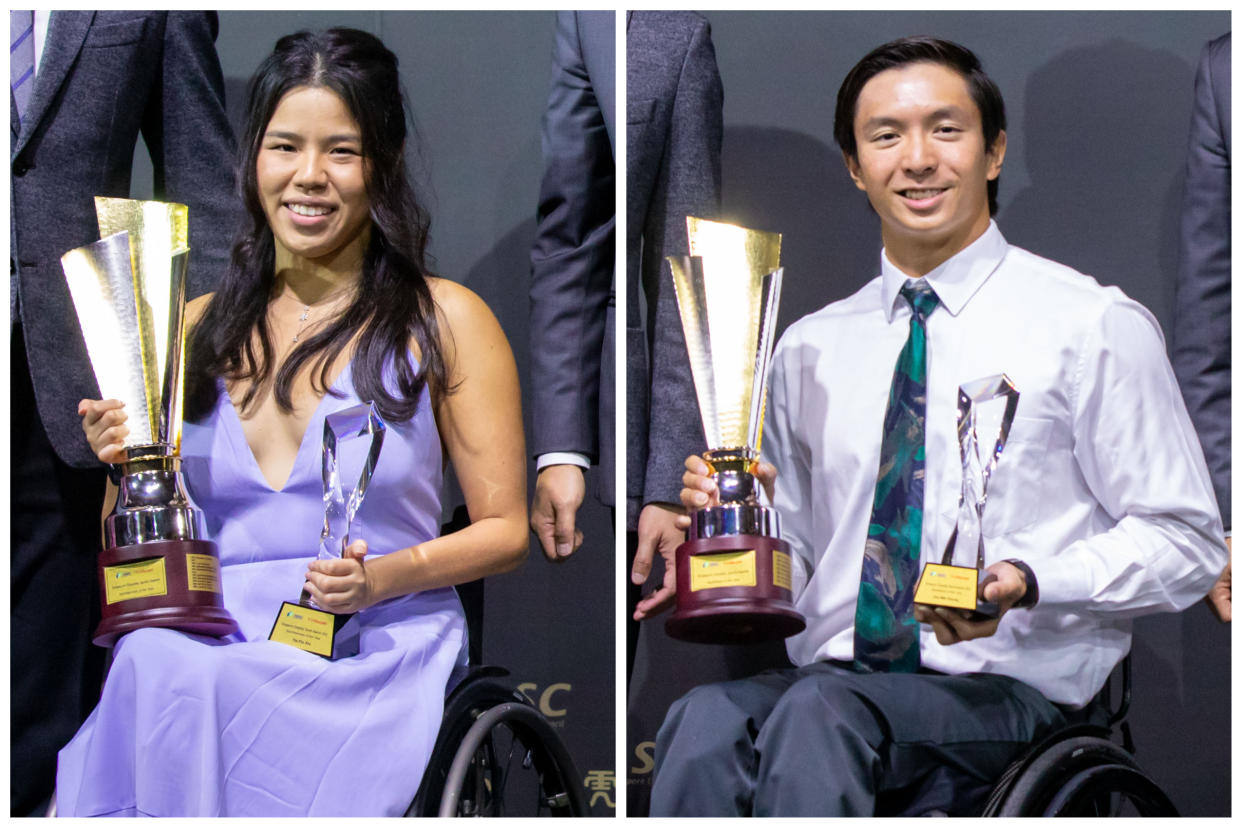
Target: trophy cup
[
  {"x": 128, "y": 290},
  {"x": 734, "y": 573},
  {"x": 303, "y": 624},
  {"x": 945, "y": 584}
]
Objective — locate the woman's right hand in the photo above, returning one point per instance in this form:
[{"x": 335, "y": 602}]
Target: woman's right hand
[{"x": 104, "y": 424}]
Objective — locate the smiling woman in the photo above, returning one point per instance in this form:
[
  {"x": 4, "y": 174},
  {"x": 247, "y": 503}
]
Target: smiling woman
[
  {"x": 312, "y": 179},
  {"x": 327, "y": 303}
]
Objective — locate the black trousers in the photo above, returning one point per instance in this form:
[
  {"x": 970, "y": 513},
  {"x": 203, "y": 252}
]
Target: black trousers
[
  {"x": 55, "y": 672},
  {"x": 823, "y": 740}
]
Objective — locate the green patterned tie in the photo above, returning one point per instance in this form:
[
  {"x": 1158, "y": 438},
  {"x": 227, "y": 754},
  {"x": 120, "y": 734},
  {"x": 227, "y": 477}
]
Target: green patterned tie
[{"x": 886, "y": 636}]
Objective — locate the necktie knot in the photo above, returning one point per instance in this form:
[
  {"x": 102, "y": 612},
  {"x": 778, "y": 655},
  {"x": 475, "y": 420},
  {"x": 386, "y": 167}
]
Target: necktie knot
[{"x": 922, "y": 298}]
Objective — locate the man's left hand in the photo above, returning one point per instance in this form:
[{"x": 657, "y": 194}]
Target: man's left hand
[{"x": 953, "y": 625}]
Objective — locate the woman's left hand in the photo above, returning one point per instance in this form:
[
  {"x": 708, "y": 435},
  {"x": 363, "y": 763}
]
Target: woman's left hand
[{"x": 342, "y": 585}]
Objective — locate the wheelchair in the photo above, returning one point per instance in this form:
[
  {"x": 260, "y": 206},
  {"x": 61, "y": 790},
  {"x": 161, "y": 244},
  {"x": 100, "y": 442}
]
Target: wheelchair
[
  {"x": 495, "y": 754},
  {"x": 487, "y": 726},
  {"x": 1080, "y": 771}
]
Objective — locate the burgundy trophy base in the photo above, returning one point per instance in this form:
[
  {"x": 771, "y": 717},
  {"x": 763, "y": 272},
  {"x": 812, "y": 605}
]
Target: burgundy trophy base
[
  {"x": 733, "y": 614},
  {"x": 180, "y": 607}
]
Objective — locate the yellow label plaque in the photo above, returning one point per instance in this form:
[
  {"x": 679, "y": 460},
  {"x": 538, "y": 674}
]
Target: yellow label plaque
[
  {"x": 203, "y": 572},
  {"x": 722, "y": 569},
  {"x": 141, "y": 579},
  {"x": 782, "y": 570},
  {"x": 305, "y": 628},
  {"x": 942, "y": 585}
]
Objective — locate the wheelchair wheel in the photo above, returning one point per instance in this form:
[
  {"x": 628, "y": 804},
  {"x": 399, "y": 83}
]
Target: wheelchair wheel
[
  {"x": 1078, "y": 776},
  {"x": 1110, "y": 790},
  {"x": 497, "y": 756}
]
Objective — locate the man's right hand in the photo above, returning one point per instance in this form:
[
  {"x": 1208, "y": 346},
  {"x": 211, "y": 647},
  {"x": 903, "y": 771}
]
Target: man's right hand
[
  {"x": 559, "y": 490},
  {"x": 104, "y": 424},
  {"x": 699, "y": 489}
]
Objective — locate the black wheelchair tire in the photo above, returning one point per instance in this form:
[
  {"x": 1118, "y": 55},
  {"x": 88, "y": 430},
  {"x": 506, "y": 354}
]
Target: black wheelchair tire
[
  {"x": 472, "y": 700},
  {"x": 1082, "y": 791},
  {"x": 557, "y": 777},
  {"x": 1043, "y": 777}
]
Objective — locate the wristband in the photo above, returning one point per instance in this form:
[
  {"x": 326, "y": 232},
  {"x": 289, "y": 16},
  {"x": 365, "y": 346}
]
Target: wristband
[{"x": 1031, "y": 597}]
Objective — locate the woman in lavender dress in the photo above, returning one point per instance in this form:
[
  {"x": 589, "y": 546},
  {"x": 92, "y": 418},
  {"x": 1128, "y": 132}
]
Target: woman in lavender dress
[{"x": 327, "y": 302}]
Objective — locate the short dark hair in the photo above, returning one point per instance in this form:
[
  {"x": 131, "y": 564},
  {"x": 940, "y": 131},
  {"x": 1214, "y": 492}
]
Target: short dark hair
[{"x": 920, "y": 49}]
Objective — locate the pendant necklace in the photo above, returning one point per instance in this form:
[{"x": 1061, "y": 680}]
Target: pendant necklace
[
  {"x": 306, "y": 310},
  {"x": 305, "y": 315}
]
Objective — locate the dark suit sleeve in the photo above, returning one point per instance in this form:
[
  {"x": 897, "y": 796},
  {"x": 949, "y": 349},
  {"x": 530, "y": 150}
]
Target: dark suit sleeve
[
  {"x": 191, "y": 142},
  {"x": 692, "y": 160},
  {"x": 1202, "y": 311},
  {"x": 572, "y": 257}
]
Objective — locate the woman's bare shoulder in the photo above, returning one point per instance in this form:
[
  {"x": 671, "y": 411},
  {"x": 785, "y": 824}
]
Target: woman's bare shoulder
[
  {"x": 195, "y": 307},
  {"x": 458, "y": 304}
]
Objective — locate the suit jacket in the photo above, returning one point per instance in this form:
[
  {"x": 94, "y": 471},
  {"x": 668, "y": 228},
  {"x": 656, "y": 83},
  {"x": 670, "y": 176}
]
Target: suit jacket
[
  {"x": 674, "y": 126},
  {"x": 572, "y": 260},
  {"x": 1201, "y": 328},
  {"x": 104, "y": 77}
]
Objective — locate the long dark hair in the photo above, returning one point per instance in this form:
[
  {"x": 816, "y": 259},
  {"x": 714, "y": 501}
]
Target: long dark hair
[
  {"x": 393, "y": 301},
  {"x": 921, "y": 49}
]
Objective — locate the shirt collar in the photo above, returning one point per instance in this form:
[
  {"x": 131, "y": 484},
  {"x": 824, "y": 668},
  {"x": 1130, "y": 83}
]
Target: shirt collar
[{"x": 955, "y": 280}]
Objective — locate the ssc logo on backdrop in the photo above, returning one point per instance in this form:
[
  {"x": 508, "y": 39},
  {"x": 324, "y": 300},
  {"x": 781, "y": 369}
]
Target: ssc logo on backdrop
[{"x": 552, "y": 700}]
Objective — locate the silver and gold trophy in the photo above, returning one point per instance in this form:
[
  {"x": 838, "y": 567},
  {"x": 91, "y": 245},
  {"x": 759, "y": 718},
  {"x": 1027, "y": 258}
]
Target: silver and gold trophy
[
  {"x": 129, "y": 291},
  {"x": 352, "y": 439},
  {"x": 734, "y": 573},
  {"x": 989, "y": 405}
]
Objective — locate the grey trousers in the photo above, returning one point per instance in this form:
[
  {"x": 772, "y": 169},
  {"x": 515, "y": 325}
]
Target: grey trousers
[{"x": 823, "y": 740}]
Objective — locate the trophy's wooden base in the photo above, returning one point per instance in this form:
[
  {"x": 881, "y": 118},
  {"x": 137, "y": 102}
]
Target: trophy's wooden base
[
  {"x": 167, "y": 583},
  {"x": 734, "y": 589}
]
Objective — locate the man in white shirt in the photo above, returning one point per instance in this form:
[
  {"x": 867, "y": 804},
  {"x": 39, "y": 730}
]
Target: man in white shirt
[{"x": 1100, "y": 509}]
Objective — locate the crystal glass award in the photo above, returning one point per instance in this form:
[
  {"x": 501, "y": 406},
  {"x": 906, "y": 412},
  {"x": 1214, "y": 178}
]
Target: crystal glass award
[
  {"x": 734, "y": 573},
  {"x": 128, "y": 290},
  {"x": 352, "y": 439},
  {"x": 984, "y": 406}
]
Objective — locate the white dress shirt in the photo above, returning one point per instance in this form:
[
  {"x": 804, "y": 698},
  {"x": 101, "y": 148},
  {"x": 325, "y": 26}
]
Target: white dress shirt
[
  {"x": 41, "y": 21},
  {"x": 1101, "y": 489}
]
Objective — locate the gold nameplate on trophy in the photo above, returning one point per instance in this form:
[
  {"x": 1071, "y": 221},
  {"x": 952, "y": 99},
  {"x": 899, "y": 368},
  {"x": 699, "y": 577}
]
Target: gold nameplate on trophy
[
  {"x": 943, "y": 585},
  {"x": 141, "y": 579},
  {"x": 202, "y": 573},
  {"x": 306, "y": 628},
  {"x": 723, "y": 569}
]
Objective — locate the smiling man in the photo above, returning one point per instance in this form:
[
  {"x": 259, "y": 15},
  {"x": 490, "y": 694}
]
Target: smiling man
[{"x": 1100, "y": 510}]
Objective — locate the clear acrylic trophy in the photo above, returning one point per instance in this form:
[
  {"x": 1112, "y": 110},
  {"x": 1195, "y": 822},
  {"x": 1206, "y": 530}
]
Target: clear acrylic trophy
[
  {"x": 986, "y": 404},
  {"x": 352, "y": 439}
]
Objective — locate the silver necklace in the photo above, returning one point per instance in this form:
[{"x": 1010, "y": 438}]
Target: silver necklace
[
  {"x": 306, "y": 312},
  {"x": 305, "y": 315}
]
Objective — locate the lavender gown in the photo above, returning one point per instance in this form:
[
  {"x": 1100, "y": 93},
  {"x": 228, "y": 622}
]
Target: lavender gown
[{"x": 194, "y": 726}]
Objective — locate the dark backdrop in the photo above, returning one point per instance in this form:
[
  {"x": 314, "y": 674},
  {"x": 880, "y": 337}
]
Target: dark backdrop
[
  {"x": 477, "y": 84},
  {"x": 1098, "y": 106}
]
